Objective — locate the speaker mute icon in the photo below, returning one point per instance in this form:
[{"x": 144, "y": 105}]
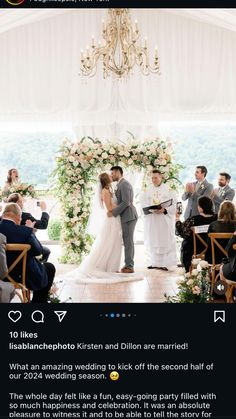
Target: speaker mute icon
[{"x": 60, "y": 314}]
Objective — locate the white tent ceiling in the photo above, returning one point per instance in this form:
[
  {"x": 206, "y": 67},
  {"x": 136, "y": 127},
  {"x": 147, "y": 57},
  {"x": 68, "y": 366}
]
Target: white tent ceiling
[
  {"x": 40, "y": 57},
  {"x": 224, "y": 18}
]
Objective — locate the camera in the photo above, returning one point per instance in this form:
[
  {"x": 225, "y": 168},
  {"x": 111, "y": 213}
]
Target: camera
[
  {"x": 38, "y": 203},
  {"x": 179, "y": 207}
]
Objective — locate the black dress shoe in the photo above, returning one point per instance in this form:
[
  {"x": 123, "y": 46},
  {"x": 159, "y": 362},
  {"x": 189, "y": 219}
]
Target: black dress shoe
[{"x": 151, "y": 267}]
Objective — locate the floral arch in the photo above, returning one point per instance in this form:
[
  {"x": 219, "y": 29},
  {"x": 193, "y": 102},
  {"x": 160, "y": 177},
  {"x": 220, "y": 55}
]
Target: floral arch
[{"x": 78, "y": 165}]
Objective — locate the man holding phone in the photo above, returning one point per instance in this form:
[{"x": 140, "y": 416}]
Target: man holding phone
[{"x": 41, "y": 224}]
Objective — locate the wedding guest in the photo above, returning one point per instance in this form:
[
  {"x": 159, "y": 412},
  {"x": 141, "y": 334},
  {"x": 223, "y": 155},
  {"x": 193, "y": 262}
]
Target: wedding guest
[
  {"x": 159, "y": 226},
  {"x": 228, "y": 269},
  {"x": 12, "y": 178},
  {"x": 7, "y": 290},
  {"x": 3, "y": 261},
  {"x": 41, "y": 224},
  {"x": 39, "y": 276},
  {"x": 226, "y": 220},
  {"x": 224, "y": 192},
  {"x": 225, "y": 223},
  {"x": 205, "y": 216},
  {"x": 194, "y": 190}
]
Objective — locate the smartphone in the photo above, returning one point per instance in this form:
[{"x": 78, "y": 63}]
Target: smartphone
[
  {"x": 179, "y": 207},
  {"x": 38, "y": 203}
]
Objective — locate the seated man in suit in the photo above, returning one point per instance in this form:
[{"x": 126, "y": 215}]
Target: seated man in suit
[
  {"x": 3, "y": 260},
  {"x": 7, "y": 290},
  {"x": 224, "y": 192},
  {"x": 41, "y": 224},
  {"x": 194, "y": 190},
  {"x": 39, "y": 276}
]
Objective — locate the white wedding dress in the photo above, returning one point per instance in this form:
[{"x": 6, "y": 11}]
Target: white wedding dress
[{"x": 102, "y": 265}]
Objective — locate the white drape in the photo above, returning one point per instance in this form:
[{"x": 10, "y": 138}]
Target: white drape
[{"x": 40, "y": 64}]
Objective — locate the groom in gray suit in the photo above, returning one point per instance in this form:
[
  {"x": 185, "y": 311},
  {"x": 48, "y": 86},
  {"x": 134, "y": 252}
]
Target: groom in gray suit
[
  {"x": 196, "y": 189},
  {"x": 128, "y": 215}
]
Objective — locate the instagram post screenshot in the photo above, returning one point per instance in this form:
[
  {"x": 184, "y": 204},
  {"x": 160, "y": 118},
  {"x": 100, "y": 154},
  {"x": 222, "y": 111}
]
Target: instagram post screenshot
[{"x": 117, "y": 210}]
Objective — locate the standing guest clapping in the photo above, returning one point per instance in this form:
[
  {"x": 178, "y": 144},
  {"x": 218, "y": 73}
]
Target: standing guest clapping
[
  {"x": 223, "y": 192},
  {"x": 194, "y": 190}
]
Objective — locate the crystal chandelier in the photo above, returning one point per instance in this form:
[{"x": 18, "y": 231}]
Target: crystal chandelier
[{"x": 120, "y": 50}]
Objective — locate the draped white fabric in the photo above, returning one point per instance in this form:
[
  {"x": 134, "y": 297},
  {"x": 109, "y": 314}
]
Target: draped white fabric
[{"x": 40, "y": 64}]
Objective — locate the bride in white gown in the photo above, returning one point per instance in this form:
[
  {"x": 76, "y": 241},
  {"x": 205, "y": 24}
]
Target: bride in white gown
[{"x": 103, "y": 262}]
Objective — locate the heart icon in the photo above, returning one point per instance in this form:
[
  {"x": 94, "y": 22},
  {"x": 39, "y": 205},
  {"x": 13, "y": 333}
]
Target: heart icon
[{"x": 14, "y": 316}]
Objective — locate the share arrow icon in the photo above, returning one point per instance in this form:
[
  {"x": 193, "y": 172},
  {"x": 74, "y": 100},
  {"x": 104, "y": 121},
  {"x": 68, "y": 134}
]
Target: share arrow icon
[{"x": 60, "y": 315}]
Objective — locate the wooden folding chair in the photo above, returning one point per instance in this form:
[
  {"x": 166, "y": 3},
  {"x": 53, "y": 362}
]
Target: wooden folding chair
[
  {"x": 24, "y": 293},
  {"x": 216, "y": 238},
  {"x": 198, "y": 231},
  {"x": 231, "y": 287}
]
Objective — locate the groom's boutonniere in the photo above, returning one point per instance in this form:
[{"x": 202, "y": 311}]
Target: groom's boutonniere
[{"x": 202, "y": 186}]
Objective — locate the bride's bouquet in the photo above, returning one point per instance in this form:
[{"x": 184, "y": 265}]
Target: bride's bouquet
[{"x": 23, "y": 189}]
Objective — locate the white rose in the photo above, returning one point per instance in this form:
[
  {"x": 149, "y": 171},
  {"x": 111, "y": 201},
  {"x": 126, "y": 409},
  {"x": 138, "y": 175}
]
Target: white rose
[
  {"x": 194, "y": 272},
  {"x": 130, "y": 161},
  {"x": 75, "y": 163},
  {"x": 190, "y": 282},
  {"x": 195, "y": 262},
  {"x": 71, "y": 159},
  {"x": 180, "y": 281},
  {"x": 127, "y": 154},
  {"x": 81, "y": 182},
  {"x": 112, "y": 151},
  {"x": 104, "y": 155},
  {"x": 204, "y": 264}
]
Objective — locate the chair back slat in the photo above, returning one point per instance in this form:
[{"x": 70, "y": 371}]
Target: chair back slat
[
  {"x": 22, "y": 256},
  {"x": 215, "y": 243},
  {"x": 197, "y": 238}
]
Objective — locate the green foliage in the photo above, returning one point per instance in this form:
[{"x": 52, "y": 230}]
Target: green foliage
[
  {"x": 54, "y": 229},
  {"x": 212, "y": 146},
  {"x": 32, "y": 153}
]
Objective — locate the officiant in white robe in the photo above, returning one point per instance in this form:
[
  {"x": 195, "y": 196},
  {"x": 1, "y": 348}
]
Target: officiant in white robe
[{"x": 159, "y": 226}]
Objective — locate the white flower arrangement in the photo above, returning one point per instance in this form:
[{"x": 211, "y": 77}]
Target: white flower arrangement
[
  {"x": 24, "y": 189},
  {"x": 194, "y": 287},
  {"x": 78, "y": 165}
]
